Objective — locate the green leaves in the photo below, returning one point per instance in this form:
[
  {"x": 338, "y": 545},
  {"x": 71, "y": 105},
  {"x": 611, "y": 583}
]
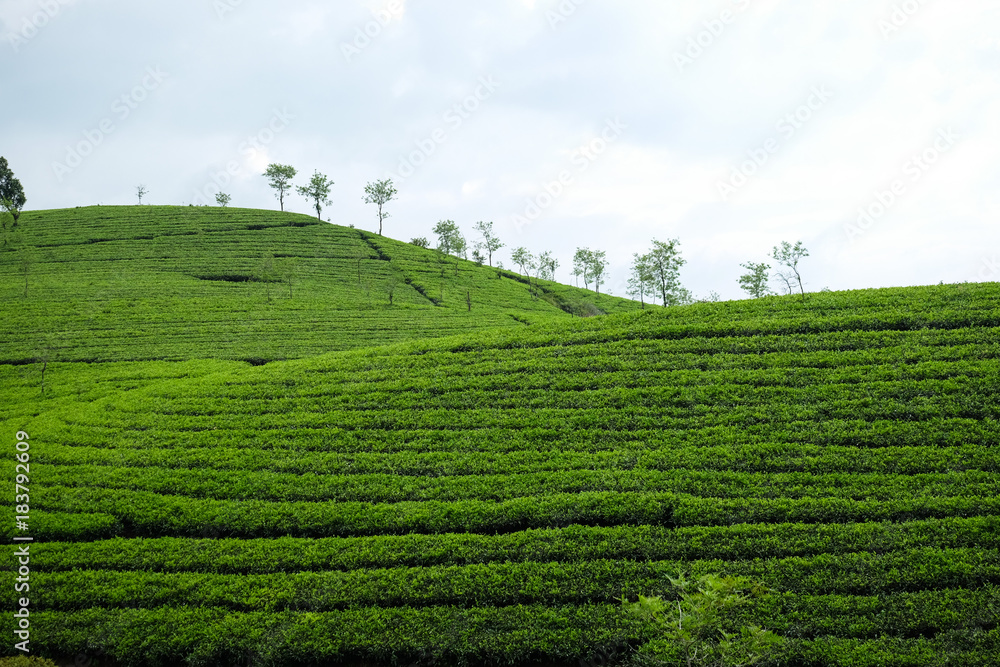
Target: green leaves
[{"x": 693, "y": 622}]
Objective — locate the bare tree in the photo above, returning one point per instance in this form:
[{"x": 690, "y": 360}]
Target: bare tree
[{"x": 141, "y": 191}]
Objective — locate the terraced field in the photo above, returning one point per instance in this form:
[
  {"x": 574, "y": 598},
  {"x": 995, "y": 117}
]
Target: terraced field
[
  {"x": 113, "y": 283},
  {"x": 486, "y": 499}
]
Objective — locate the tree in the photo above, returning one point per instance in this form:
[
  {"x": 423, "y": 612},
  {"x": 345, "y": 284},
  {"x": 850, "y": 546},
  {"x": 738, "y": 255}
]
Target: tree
[
  {"x": 524, "y": 259},
  {"x": 141, "y": 191},
  {"x": 694, "y": 621},
  {"x": 590, "y": 265},
  {"x": 461, "y": 247},
  {"x": 222, "y": 199},
  {"x": 279, "y": 177},
  {"x": 478, "y": 258},
  {"x": 11, "y": 192},
  {"x": 598, "y": 263},
  {"x": 665, "y": 264},
  {"x": 490, "y": 242},
  {"x": 547, "y": 265},
  {"x": 640, "y": 280},
  {"x": 581, "y": 266},
  {"x": 420, "y": 242},
  {"x": 528, "y": 263},
  {"x": 450, "y": 239},
  {"x": 318, "y": 191},
  {"x": 755, "y": 282},
  {"x": 380, "y": 193},
  {"x": 788, "y": 256}
]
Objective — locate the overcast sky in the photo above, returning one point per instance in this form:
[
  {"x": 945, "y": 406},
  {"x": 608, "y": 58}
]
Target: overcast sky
[{"x": 731, "y": 125}]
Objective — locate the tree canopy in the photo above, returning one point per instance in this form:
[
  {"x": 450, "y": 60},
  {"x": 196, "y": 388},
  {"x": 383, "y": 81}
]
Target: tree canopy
[{"x": 11, "y": 192}]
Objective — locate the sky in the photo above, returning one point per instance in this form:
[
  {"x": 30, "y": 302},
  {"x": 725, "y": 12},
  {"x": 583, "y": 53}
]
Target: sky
[{"x": 866, "y": 129}]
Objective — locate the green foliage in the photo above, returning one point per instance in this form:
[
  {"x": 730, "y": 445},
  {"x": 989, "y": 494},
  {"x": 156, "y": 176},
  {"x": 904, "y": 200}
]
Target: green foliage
[
  {"x": 26, "y": 661},
  {"x": 450, "y": 238},
  {"x": 419, "y": 497},
  {"x": 789, "y": 256},
  {"x": 318, "y": 191},
  {"x": 755, "y": 282},
  {"x": 524, "y": 259},
  {"x": 662, "y": 265},
  {"x": 279, "y": 177},
  {"x": 692, "y": 623},
  {"x": 640, "y": 282},
  {"x": 223, "y": 199},
  {"x": 133, "y": 284},
  {"x": 12, "y": 197},
  {"x": 380, "y": 193},
  {"x": 547, "y": 265},
  {"x": 590, "y": 265},
  {"x": 490, "y": 243}
]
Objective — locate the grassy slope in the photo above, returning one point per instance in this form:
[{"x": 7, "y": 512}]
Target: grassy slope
[
  {"x": 131, "y": 283},
  {"x": 488, "y": 496}
]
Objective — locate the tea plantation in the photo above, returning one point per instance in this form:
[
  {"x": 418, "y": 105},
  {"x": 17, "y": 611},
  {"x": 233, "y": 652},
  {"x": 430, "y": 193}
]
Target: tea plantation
[
  {"x": 114, "y": 283},
  {"x": 487, "y": 498}
]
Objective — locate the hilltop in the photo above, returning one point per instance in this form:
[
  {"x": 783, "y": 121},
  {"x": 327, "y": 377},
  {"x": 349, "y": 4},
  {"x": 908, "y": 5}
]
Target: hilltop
[
  {"x": 112, "y": 283},
  {"x": 486, "y": 498}
]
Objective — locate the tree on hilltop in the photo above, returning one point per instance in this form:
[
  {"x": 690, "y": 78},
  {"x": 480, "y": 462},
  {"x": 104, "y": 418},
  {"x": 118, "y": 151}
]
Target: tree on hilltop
[
  {"x": 141, "y": 191},
  {"x": 547, "y": 265},
  {"x": 640, "y": 280},
  {"x": 527, "y": 262},
  {"x": 755, "y": 282},
  {"x": 490, "y": 242},
  {"x": 11, "y": 192},
  {"x": 280, "y": 178},
  {"x": 450, "y": 239},
  {"x": 380, "y": 193},
  {"x": 524, "y": 259},
  {"x": 318, "y": 191},
  {"x": 788, "y": 256},
  {"x": 590, "y": 265},
  {"x": 665, "y": 264}
]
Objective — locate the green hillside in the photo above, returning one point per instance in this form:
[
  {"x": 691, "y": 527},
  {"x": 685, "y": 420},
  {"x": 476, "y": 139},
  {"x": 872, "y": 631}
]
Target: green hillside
[
  {"x": 111, "y": 283},
  {"x": 486, "y": 499}
]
